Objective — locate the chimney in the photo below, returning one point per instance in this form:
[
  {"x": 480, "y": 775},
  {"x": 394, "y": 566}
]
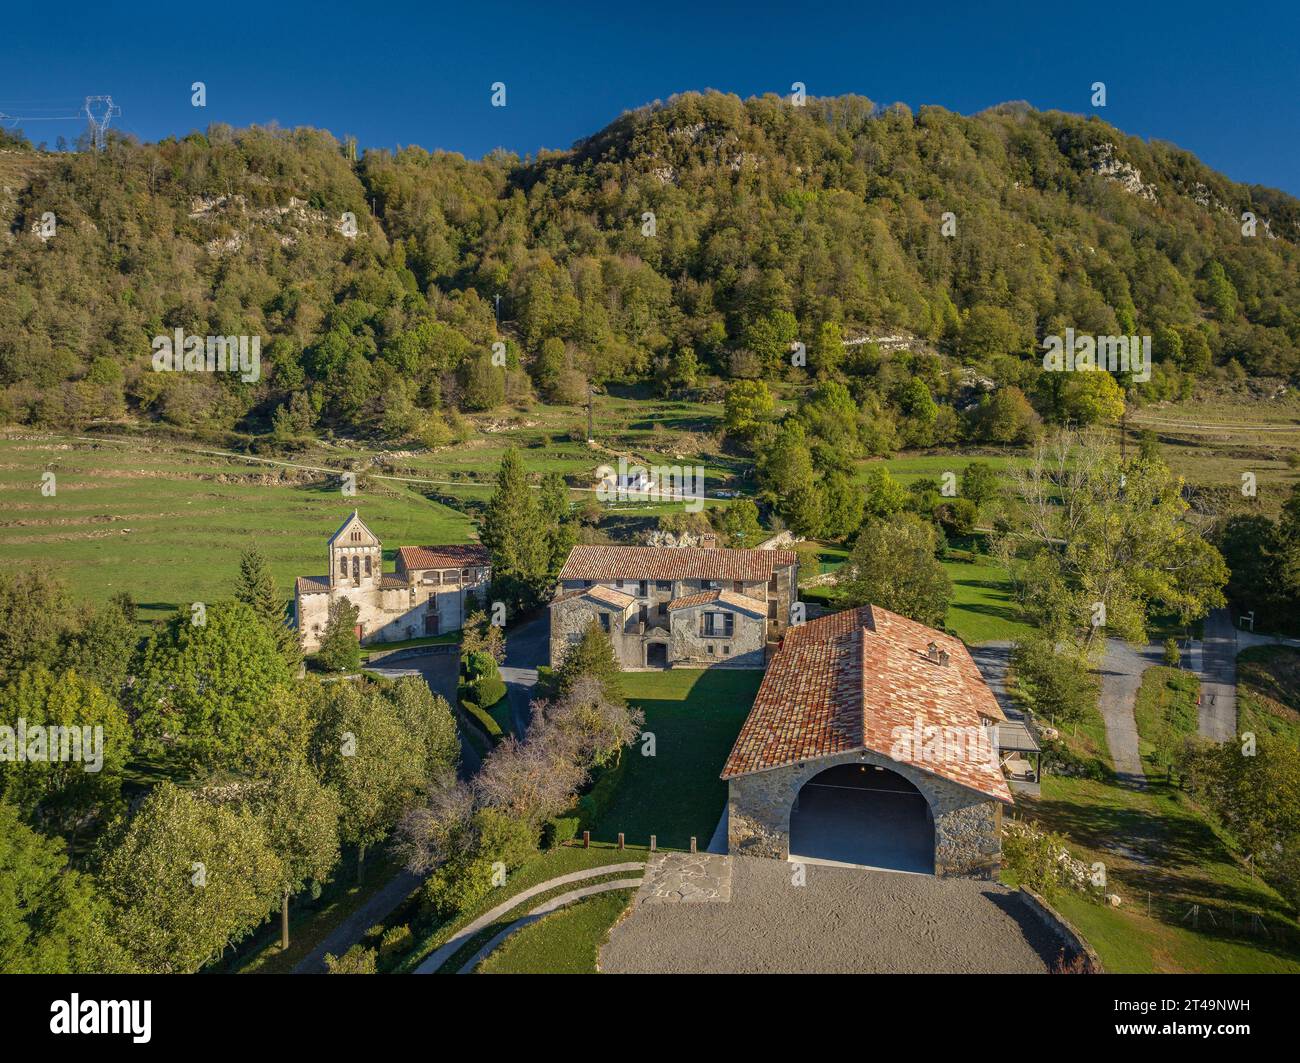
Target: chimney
[
  {"x": 935, "y": 654},
  {"x": 708, "y": 541}
]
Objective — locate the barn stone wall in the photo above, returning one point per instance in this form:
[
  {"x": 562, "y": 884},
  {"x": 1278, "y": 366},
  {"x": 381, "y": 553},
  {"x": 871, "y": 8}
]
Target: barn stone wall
[{"x": 967, "y": 826}]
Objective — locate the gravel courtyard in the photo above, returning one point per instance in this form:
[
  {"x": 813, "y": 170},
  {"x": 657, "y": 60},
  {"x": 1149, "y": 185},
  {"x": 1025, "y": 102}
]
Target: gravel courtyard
[{"x": 842, "y": 920}]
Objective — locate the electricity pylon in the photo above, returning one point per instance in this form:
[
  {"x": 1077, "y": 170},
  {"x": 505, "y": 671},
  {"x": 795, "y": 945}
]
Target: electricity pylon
[{"x": 108, "y": 110}]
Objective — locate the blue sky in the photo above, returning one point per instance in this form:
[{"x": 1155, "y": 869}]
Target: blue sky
[{"x": 1221, "y": 80}]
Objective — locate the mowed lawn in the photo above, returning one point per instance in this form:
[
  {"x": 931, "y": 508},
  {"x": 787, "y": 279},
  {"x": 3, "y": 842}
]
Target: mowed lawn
[
  {"x": 168, "y": 526},
  {"x": 694, "y": 715},
  {"x": 565, "y": 942},
  {"x": 983, "y": 608}
]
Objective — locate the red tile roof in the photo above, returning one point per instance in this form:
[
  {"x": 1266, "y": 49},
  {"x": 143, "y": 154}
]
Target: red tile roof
[
  {"x": 731, "y": 598},
  {"x": 670, "y": 563},
  {"x": 415, "y": 558},
  {"x": 609, "y": 595},
  {"x": 862, "y": 679}
]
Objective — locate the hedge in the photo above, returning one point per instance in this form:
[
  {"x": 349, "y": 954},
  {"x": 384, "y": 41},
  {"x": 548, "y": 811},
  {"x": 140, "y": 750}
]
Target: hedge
[
  {"x": 595, "y": 802},
  {"x": 465, "y": 695}
]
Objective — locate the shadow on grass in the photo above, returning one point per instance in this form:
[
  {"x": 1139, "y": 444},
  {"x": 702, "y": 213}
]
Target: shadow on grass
[{"x": 677, "y": 793}]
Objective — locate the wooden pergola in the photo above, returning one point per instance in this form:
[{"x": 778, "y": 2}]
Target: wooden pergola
[{"x": 1016, "y": 744}]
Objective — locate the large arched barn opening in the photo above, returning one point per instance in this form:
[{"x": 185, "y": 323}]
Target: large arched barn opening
[{"x": 863, "y": 815}]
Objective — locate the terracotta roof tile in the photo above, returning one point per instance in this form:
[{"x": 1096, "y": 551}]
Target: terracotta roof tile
[
  {"x": 670, "y": 563},
  {"x": 414, "y": 558},
  {"x": 862, "y": 679},
  {"x": 312, "y": 585},
  {"x": 731, "y": 598},
  {"x": 610, "y": 596}
]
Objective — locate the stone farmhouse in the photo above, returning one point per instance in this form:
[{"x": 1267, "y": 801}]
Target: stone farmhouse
[
  {"x": 700, "y": 607},
  {"x": 431, "y": 592},
  {"x": 871, "y": 742}
]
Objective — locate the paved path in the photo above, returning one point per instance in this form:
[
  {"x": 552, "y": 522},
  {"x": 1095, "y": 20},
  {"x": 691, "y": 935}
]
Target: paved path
[
  {"x": 526, "y": 647},
  {"x": 353, "y": 928},
  {"x": 445, "y": 952},
  {"x": 1121, "y": 673},
  {"x": 1218, "y": 671},
  {"x": 840, "y": 920},
  {"x": 993, "y": 659},
  {"x": 545, "y": 909}
]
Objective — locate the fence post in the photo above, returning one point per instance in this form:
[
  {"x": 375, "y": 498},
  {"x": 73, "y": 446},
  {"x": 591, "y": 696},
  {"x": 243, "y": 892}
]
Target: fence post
[
  {"x": 620, "y": 839},
  {"x": 692, "y": 844},
  {"x": 586, "y": 839},
  {"x": 654, "y": 847}
]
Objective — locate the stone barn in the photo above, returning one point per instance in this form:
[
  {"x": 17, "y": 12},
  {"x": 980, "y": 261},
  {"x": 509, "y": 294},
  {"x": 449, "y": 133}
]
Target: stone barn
[{"x": 871, "y": 742}]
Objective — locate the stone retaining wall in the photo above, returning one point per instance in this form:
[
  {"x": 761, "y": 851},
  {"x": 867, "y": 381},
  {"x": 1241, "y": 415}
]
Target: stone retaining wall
[{"x": 1074, "y": 942}]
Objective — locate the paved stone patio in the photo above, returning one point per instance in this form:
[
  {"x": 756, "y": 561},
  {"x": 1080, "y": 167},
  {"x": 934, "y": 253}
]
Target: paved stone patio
[{"x": 673, "y": 878}]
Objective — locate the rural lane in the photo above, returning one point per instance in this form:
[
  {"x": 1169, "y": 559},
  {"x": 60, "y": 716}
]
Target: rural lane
[
  {"x": 526, "y": 646},
  {"x": 1121, "y": 673},
  {"x": 1218, "y": 672}
]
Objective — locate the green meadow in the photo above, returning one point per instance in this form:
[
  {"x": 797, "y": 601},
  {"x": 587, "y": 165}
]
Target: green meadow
[{"x": 168, "y": 526}]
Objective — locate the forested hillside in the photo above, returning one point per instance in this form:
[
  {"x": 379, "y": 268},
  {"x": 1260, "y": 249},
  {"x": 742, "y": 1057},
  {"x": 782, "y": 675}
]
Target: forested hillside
[{"x": 771, "y": 224}]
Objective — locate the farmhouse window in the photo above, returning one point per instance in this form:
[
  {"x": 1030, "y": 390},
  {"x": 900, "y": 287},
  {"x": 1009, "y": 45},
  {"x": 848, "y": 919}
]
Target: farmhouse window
[
  {"x": 604, "y": 622},
  {"x": 717, "y": 624}
]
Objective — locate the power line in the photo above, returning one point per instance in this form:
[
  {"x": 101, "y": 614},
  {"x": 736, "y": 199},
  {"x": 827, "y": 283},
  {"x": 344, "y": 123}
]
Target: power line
[{"x": 98, "y": 111}]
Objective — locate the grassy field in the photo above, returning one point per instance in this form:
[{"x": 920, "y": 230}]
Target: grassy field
[
  {"x": 1268, "y": 692},
  {"x": 1225, "y": 431},
  {"x": 538, "y": 869},
  {"x": 1158, "y": 842},
  {"x": 565, "y": 942},
  {"x": 1166, "y": 714},
  {"x": 695, "y": 715},
  {"x": 983, "y": 607},
  {"x": 168, "y": 527}
]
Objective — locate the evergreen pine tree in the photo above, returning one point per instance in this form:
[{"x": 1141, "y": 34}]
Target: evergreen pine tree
[
  {"x": 256, "y": 589},
  {"x": 513, "y": 532}
]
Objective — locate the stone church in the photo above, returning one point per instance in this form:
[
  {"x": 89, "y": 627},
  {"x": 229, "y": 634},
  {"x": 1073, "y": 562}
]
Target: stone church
[{"x": 431, "y": 592}]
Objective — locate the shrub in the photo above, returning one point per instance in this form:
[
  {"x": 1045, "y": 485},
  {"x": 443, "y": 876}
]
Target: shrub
[
  {"x": 395, "y": 942},
  {"x": 502, "y": 837},
  {"x": 458, "y": 885},
  {"x": 490, "y": 690},
  {"x": 484, "y": 678},
  {"x": 1060, "y": 759},
  {"x": 357, "y": 960},
  {"x": 596, "y": 801},
  {"x": 1033, "y": 857},
  {"x": 483, "y": 719},
  {"x": 560, "y": 829},
  {"x": 1172, "y": 653}
]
